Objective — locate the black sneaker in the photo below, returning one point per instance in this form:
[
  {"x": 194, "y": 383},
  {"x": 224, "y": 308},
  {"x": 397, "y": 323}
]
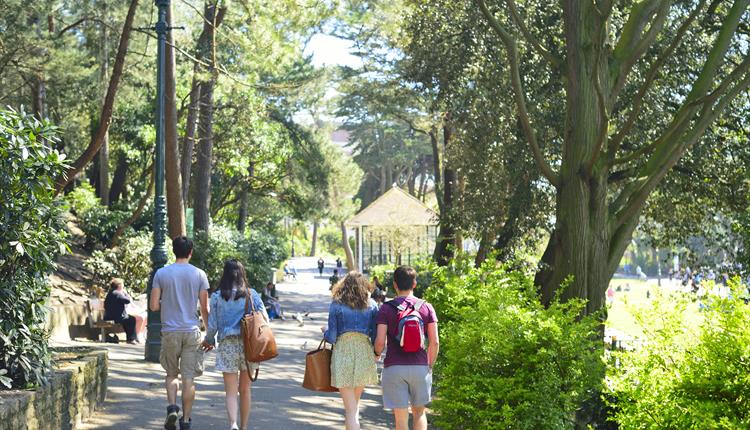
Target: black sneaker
[
  {"x": 173, "y": 412},
  {"x": 185, "y": 425}
]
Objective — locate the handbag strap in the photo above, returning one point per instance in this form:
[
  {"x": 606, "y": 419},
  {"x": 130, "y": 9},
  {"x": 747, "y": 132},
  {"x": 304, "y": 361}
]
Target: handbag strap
[
  {"x": 249, "y": 302},
  {"x": 249, "y": 375}
]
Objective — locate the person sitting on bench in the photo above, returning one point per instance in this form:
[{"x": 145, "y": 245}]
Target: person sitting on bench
[
  {"x": 271, "y": 301},
  {"x": 114, "y": 309}
]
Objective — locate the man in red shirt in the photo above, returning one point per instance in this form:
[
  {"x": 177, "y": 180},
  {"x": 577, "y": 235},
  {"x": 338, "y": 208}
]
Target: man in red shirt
[{"x": 407, "y": 376}]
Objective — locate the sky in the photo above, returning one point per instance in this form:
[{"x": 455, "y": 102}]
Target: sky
[{"x": 331, "y": 51}]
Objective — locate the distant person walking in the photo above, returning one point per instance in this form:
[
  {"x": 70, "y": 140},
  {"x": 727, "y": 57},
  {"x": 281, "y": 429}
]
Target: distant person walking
[
  {"x": 378, "y": 291},
  {"x": 610, "y": 295},
  {"x": 376, "y": 283},
  {"x": 333, "y": 279},
  {"x": 339, "y": 263},
  {"x": 404, "y": 322},
  {"x": 227, "y": 310},
  {"x": 351, "y": 331},
  {"x": 176, "y": 291},
  {"x": 321, "y": 265},
  {"x": 114, "y": 309}
]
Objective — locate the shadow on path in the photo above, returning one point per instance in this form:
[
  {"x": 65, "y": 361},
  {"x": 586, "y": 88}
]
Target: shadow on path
[{"x": 136, "y": 398}]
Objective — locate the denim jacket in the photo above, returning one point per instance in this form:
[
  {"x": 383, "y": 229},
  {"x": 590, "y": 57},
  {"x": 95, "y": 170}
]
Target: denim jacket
[
  {"x": 343, "y": 319},
  {"x": 224, "y": 316}
]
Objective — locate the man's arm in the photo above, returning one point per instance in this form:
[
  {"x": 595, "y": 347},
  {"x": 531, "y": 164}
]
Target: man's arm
[
  {"x": 434, "y": 344},
  {"x": 380, "y": 339},
  {"x": 203, "y": 296},
  {"x": 154, "y": 301}
]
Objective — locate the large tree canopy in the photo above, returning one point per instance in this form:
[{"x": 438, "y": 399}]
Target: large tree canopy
[{"x": 642, "y": 84}]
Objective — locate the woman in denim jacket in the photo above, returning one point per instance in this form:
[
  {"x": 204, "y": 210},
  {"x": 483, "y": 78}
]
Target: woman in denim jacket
[
  {"x": 351, "y": 330},
  {"x": 227, "y": 307}
]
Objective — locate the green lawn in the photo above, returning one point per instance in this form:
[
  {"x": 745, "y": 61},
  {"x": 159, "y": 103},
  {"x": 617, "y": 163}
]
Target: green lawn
[{"x": 620, "y": 314}]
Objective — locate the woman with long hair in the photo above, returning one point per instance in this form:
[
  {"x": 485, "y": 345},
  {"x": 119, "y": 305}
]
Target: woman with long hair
[
  {"x": 351, "y": 331},
  {"x": 227, "y": 307}
]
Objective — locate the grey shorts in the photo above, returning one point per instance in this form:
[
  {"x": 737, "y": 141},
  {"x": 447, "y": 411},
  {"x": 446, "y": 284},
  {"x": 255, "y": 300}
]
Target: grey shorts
[
  {"x": 181, "y": 354},
  {"x": 405, "y": 385}
]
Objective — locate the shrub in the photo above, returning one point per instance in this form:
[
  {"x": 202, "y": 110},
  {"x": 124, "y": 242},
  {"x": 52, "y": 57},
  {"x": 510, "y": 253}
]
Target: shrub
[
  {"x": 82, "y": 199},
  {"x": 258, "y": 251},
  {"x": 130, "y": 260},
  {"x": 424, "y": 270},
  {"x": 689, "y": 374},
  {"x": 329, "y": 241},
  {"x": 506, "y": 360},
  {"x": 31, "y": 235},
  {"x": 99, "y": 224}
]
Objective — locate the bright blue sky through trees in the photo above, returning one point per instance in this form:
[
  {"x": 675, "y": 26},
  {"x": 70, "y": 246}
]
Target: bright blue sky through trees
[{"x": 331, "y": 51}]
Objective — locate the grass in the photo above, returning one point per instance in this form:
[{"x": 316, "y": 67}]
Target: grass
[{"x": 620, "y": 315}]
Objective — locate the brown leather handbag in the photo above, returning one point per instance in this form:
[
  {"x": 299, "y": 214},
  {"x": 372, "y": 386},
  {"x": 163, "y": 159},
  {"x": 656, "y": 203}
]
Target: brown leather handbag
[
  {"x": 318, "y": 370},
  {"x": 257, "y": 337}
]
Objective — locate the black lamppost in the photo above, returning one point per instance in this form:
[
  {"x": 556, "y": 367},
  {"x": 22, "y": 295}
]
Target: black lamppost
[{"x": 159, "y": 251}]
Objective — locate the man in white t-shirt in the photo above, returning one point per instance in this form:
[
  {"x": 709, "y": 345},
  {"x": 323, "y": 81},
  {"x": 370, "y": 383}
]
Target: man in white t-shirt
[{"x": 176, "y": 291}]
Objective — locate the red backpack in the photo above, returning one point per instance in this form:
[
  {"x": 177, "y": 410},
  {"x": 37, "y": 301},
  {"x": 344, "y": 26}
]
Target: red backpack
[{"x": 410, "y": 334}]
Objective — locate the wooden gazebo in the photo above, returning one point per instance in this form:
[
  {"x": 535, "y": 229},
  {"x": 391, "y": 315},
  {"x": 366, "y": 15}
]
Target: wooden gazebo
[{"x": 396, "y": 228}]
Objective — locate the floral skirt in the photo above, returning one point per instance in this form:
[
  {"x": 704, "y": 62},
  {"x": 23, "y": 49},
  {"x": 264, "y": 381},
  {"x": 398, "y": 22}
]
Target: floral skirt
[
  {"x": 353, "y": 363},
  {"x": 230, "y": 356}
]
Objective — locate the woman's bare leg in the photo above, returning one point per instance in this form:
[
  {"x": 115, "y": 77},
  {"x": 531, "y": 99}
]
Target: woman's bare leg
[
  {"x": 230, "y": 389},
  {"x": 245, "y": 399},
  {"x": 351, "y": 396}
]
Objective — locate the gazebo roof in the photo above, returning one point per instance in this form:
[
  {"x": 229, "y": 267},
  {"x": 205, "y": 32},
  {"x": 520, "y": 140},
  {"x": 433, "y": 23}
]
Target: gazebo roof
[{"x": 395, "y": 207}]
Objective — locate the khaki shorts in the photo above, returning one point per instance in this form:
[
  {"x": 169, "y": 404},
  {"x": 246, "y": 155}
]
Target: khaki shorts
[{"x": 181, "y": 354}]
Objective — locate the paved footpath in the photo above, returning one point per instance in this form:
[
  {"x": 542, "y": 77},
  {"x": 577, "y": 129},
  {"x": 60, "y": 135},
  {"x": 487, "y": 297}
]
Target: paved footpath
[{"x": 136, "y": 398}]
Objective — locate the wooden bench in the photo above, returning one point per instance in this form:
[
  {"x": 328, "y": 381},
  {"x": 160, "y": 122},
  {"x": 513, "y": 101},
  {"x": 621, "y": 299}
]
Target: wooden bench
[{"x": 95, "y": 311}]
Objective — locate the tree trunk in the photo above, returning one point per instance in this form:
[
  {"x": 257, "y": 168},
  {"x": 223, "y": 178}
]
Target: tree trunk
[
  {"x": 93, "y": 176},
  {"x": 314, "y": 241},
  {"x": 117, "y": 189},
  {"x": 204, "y": 163},
  {"x": 485, "y": 246},
  {"x": 104, "y": 75},
  {"x": 350, "y": 263},
  {"x": 242, "y": 216},
  {"x": 188, "y": 140},
  {"x": 446, "y": 240},
  {"x": 106, "y": 113},
  {"x": 138, "y": 211},
  {"x": 175, "y": 204},
  {"x": 579, "y": 245},
  {"x": 422, "y": 186},
  {"x": 518, "y": 204},
  {"x": 383, "y": 179},
  {"x": 39, "y": 102},
  {"x": 103, "y": 185},
  {"x": 437, "y": 167},
  {"x": 411, "y": 182}
]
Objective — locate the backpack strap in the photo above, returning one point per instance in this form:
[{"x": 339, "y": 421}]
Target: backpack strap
[{"x": 392, "y": 302}]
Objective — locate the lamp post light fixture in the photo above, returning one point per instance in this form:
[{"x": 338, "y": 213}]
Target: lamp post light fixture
[{"x": 159, "y": 250}]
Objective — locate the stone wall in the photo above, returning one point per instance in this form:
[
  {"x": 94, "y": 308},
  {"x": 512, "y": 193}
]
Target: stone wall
[
  {"x": 77, "y": 388},
  {"x": 69, "y": 321}
]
